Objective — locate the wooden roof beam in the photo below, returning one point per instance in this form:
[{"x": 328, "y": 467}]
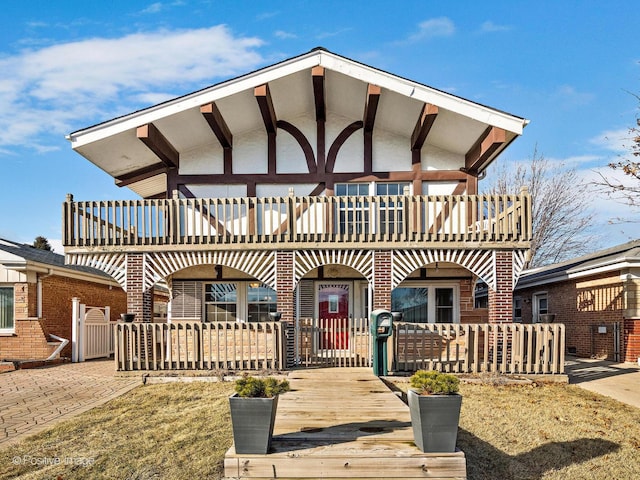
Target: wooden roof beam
[
  {"x": 158, "y": 144},
  {"x": 490, "y": 140},
  {"x": 263, "y": 97},
  {"x": 141, "y": 174},
  {"x": 214, "y": 118},
  {"x": 371, "y": 107},
  {"x": 423, "y": 125},
  {"x": 317, "y": 77}
]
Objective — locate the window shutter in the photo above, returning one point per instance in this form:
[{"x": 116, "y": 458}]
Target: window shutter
[{"x": 186, "y": 300}]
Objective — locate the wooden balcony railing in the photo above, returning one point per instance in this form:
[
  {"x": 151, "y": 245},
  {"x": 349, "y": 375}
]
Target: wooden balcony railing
[{"x": 298, "y": 221}]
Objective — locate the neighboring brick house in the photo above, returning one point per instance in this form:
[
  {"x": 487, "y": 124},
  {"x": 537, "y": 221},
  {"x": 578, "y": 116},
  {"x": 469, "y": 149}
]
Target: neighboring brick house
[
  {"x": 596, "y": 296},
  {"x": 36, "y": 291},
  {"x": 316, "y": 187}
]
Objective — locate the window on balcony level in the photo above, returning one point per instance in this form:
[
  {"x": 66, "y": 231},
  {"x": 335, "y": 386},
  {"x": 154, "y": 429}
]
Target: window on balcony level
[{"x": 362, "y": 216}]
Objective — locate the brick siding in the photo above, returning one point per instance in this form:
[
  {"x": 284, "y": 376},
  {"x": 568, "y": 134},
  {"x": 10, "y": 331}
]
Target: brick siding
[
  {"x": 469, "y": 314},
  {"x": 382, "y": 280},
  {"x": 583, "y": 305},
  {"x": 501, "y": 299},
  {"x": 30, "y": 340}
]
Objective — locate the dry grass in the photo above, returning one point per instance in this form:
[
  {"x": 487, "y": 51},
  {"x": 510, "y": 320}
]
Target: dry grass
[
  {"x": 181, "y": 431},
  {"x": 173, "y": 431},
  {"x": 548, "y": 431}
]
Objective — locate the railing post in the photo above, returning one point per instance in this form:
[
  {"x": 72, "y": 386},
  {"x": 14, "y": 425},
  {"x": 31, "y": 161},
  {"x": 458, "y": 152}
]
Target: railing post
[{"x": 75, "y": 334}]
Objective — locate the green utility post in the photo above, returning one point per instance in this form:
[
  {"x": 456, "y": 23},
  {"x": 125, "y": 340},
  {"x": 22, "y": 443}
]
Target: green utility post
[{"x": 381, "y": 329}]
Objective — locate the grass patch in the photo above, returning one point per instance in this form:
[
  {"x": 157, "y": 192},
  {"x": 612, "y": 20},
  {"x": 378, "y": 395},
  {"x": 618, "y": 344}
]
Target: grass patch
[
  {"x": 172, "y": 431},
  {"x": 182, "y": 430},
  {"x": 546, "y": 431}
]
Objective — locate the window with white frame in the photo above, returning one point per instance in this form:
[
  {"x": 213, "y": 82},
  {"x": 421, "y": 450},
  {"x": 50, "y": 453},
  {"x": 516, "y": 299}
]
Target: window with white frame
[
  {"x": 390, "y": 217},
  {"x": 7, "y": 319},
  {"x": 354, "y": 216},
  {"x": 421, "y": 303},
  {"x": 261, "y": 300},
  {"x": 517, "y": 309},
  {"x": 540, "y": 306},
  {"x": 238, "y": 301},
  {"x": 221, "y": 302}
]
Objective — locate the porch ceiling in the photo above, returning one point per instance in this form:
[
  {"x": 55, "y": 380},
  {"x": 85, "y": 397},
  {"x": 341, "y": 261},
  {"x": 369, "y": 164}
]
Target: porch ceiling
[{"x": 115, "y": 148}]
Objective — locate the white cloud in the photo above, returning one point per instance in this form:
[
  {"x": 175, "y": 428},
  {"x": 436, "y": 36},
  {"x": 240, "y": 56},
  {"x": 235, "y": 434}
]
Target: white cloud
[
  {"x": 56, "y": 245},
  {"x": 153, "y": 8},
  {"x": 158, "y": 7},
  {"x": 490, "y": 27},
  {"x": 614, "y": 140},
  {"x": 49, "y": 89},
  {"x": 261, "y": 17},
  {"x": 568, "y": 96},
  {"x": 334, "y": 33},
  {"x": 434, "y": 27},
  {"x": 284, "y": 35}
]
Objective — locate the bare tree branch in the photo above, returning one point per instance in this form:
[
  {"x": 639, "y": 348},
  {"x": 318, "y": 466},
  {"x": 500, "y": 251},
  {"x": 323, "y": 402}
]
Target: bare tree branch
[
  {"x": 561, "y": 214},
  {"x": 627, "y": 194}
]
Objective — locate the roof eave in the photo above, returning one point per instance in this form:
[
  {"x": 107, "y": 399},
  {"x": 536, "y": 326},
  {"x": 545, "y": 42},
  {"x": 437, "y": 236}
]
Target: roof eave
[{"x": 308, "y": 60}]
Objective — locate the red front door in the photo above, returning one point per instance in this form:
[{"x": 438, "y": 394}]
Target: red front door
[{"x": 333, "y": 310}]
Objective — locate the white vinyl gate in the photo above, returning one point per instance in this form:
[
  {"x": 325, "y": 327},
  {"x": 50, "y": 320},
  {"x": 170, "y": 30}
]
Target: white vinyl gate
[{"x": 92, "y": 335}]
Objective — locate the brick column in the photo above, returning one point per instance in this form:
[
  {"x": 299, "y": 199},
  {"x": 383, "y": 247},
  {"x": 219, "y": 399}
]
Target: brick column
[
  {"x": 25, "y": 300},
  {"x": 382, "y": 280},
  {"x": 139, "y": 300},
  {"x": 631, "y": 340},
  {"x": 286, "y": 302},
  {"x": 501, "y": 299}
]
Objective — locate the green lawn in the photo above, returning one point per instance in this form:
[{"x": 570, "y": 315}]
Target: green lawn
[{"x": 181, "y": 431}]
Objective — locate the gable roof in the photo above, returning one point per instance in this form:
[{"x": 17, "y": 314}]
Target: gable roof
[
  {"x": 113, "y": 146},
  {"x": 20, "y": 256},
  {"x": 619, "y": 257}
]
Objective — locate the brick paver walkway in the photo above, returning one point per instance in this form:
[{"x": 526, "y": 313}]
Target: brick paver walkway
[{"x": 32, "y": 400}]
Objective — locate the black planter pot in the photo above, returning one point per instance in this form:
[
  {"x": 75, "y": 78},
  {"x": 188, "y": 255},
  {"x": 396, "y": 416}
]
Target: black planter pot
[
  {"x": 434, "y": 419},
  {"x": 127, "y": 317},
  {"x": 252, "y": 420}
]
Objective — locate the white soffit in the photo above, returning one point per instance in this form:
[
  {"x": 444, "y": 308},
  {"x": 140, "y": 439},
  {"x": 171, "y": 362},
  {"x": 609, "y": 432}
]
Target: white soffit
[
  {"x": 293, "y": 66},
  {"x": 150, "y": 186},
  {"x": 292, "y": 95},
  {"x": 194, "y": 100},
  {"x": 119, "y": 154},
  {"x": 423, "y": 93}
]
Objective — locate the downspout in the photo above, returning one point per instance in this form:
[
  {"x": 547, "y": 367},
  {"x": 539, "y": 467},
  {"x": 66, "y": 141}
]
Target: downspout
[{"x": 57, "y": 351}]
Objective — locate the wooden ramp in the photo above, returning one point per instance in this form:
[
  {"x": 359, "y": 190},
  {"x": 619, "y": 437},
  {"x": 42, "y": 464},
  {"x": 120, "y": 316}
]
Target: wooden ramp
[{"x": 342, "y": 423}]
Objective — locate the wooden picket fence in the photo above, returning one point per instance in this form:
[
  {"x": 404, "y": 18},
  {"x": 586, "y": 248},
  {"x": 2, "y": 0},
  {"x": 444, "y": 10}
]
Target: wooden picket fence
[
  {"x": 189, "y": 345},
  {"x": 459, "y": 348},
  {"x": 474, "y": 348},
  {"x": 332, "y": 343}
]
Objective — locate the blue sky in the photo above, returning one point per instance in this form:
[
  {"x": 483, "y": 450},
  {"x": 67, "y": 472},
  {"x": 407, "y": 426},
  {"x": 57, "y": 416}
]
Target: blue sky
[{"x": 567, "y": 66}]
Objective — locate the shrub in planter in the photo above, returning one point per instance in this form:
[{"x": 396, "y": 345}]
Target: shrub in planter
[
  {"x": 255, "y": 387},
  {"x": 434, "y": 404},
  {"x": 429, "y": 382},
  {"x": 253, "y": 412}
]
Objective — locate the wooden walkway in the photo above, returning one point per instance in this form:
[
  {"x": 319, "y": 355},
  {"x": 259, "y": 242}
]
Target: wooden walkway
[{"x": 342, "y": 423}]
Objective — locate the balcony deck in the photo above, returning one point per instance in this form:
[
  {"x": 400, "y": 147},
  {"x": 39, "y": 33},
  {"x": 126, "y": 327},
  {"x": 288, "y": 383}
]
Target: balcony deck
[{"x": 374, "y": 222}]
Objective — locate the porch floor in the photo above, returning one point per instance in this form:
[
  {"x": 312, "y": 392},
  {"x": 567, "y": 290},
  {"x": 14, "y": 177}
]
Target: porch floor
[{"x": 342, "y": 423}]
